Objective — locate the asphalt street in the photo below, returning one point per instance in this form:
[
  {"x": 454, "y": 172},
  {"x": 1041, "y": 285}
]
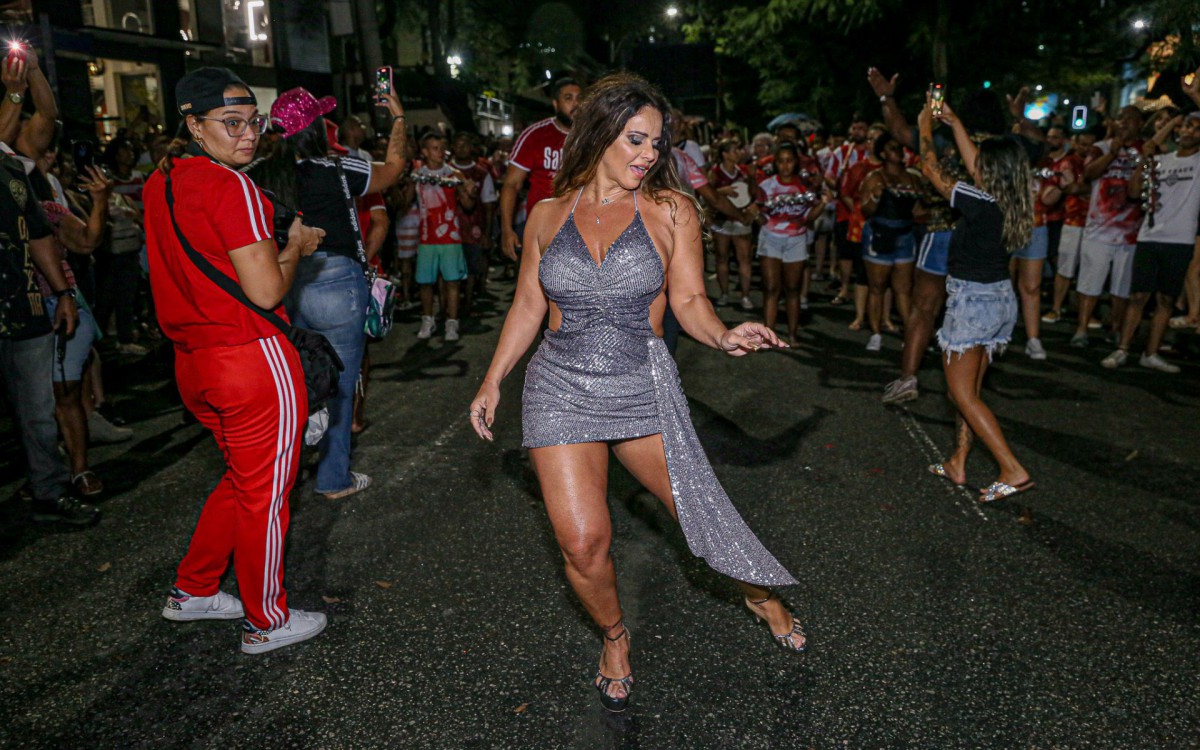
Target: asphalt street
[{"x": 1065, "y": 618}]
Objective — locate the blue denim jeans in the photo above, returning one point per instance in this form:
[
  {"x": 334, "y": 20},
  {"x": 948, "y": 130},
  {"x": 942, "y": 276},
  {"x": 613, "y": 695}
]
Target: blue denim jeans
[
  {"x": 26, "y": 365},
  {"x": 329, "y": 296}
]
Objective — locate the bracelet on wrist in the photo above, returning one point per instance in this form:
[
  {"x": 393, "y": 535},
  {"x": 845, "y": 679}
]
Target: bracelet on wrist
[{"x": 68, "y": 292}]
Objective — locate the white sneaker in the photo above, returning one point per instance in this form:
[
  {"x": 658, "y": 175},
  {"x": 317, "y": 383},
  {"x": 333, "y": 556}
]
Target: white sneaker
[
  {"x": 136, "y": 350},
  {"x": 300, "y": 626},
  {"x": 100, "y": 430},
  {"x": 1116, "y": 359},
  {"x": 723, "y": 300},
  {"x": 1035, "y": 350},
  {"x": 220, "y": 606},
  {"x": 1155, "y": 362},
  {"x": 427, "y": 325},
  {"x": 747, "y": 304},
  {"x": 875, "y": 343},
  {"x": 451, "y": 329}
]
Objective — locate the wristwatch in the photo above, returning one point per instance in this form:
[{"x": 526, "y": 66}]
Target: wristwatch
[
  {"x": 68, "y": 292},
  {"x": 15, "y": 98}
]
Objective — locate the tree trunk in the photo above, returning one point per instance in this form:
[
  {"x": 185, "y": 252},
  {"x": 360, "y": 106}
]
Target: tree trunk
[
  {"x": 437, "y": 53},
  {"x": 368, "y": 32},
  {"x": 941, "y": 31}
]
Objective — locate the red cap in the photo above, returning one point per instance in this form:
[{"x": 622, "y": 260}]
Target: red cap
[{"x": 331, "y": 133}]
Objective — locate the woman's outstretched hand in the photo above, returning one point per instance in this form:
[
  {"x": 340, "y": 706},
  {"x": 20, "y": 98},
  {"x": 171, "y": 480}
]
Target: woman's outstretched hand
[
  {"x": 483, "y": 409},
  {"x": 749, "y": 337}
]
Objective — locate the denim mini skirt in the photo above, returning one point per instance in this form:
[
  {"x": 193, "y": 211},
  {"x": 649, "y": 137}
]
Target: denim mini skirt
[{"x": 977, "y": 315}]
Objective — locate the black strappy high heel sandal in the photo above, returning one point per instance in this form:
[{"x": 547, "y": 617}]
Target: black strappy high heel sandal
[
  {"x": 602, "y": 683},
  {"x": 794, "y": 641}
]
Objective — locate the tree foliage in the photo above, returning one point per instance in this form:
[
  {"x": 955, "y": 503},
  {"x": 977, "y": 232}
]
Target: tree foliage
[{"x": 812, "y": 55}]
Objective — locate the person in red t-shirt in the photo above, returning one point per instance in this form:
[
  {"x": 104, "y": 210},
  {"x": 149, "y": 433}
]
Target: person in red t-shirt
[
  {"x": 1076, "y": 191},
  {"x": 475, "y": 222},
  {"x": 235, "y": 371},
  {"x": 536, "y": 157},
  {"x": 851, "y": 266}
]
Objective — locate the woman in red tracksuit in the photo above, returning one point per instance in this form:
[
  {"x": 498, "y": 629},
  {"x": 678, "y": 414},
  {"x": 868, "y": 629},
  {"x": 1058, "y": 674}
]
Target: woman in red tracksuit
[{"x": 236, "y": 373}]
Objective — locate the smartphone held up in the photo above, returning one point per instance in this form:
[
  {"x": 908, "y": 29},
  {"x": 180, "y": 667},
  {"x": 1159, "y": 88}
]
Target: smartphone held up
[
  {"x": 383, "y": 83},
  {"x": 16, "y": 52},
  {"x": 937, "y": 95}
]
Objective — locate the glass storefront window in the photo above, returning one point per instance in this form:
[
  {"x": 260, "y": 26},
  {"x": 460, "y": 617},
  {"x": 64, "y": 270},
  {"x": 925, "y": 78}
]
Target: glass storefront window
[
  {"x": 126, "y": 95},
  {"x": 248, "y": 31},
  {"x": 187, "y": 20},
  {"x": 124, "y": 15}
]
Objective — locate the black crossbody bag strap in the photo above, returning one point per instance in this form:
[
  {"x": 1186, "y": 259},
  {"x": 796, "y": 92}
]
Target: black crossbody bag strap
[{"x": 212, "y": 272}]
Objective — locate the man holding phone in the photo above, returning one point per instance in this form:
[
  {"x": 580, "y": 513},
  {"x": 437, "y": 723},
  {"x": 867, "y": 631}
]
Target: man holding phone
[
  {"x": 27, "y": 340},
  {"x": 536, "y": 157}
]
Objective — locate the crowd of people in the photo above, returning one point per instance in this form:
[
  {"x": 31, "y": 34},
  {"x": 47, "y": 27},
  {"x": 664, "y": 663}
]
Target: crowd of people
[{"x": 246, "y": 231}]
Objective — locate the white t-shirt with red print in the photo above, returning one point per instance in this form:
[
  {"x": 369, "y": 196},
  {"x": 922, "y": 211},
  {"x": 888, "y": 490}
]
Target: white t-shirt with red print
[
  {"x": 439, "y": 208},
  {"x": 1112, "y": 217},
  {"x": 786, "y": 220}
]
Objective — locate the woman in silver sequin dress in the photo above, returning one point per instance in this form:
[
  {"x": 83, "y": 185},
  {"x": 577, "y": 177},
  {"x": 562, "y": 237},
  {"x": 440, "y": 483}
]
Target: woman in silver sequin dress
[{"x": 599, "y": 257}]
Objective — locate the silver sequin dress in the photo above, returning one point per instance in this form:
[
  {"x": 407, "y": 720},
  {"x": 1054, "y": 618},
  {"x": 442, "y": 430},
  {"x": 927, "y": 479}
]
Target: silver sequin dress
[{"x": 604, "y": 375}]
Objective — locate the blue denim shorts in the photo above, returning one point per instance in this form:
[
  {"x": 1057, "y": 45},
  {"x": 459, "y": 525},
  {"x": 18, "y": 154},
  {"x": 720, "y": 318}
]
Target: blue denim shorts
[
  {"x": 977, "y": 315},
  {"x": 79, "y": 345},
  {"x": 1038, "y": 247},
  {"x": 903, "y": 245},
  {"x": 933, "y": 253}
]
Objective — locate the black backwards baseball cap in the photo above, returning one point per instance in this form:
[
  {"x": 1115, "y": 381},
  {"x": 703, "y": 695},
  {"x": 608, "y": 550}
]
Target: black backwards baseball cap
[{"x": 204, "y": 89}]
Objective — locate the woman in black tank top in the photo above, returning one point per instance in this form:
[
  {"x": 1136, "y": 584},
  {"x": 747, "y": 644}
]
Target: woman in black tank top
[{"x": 888, "y": 197}]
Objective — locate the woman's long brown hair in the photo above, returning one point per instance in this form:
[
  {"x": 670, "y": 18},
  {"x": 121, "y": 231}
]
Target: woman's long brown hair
[{"x": 611, "y": 102}]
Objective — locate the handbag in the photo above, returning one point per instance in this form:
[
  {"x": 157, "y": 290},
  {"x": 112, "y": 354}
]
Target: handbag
[
  {"x": 380, "y": 305},
  {"x": 318, "y": 359}
]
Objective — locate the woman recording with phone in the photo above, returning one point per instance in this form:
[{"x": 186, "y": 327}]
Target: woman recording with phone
[
  {"x": 330, "y": 294},
  {"x": 981, "y": 308},
  {"x": 236, "y": 373}
]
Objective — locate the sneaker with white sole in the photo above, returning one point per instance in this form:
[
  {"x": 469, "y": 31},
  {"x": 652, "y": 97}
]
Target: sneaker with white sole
[
  {"x": 428, "y": 323},
  {"x": 1116, "y": 359},
  {"x": 900, "y": 390},
  {"x": 1155, "y": 362},
  {"x": 1052, "y": 317},
  {"x": 451, "y": 329},
  {"x": 358, "y": 483},
  {"x": 182, "y": 607},
  {"x": 132, "y": 349},
  {"x": 747, "y": 304},
  {"x": 1034, "y": 349},
  {"x": 300, "y": 626},
  {"x": 875, "y": 343},
  {"x": 100, "y": 430}
]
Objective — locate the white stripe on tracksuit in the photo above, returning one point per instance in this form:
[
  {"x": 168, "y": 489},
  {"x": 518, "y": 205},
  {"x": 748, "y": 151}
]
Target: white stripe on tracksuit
[
  {"x": 254, "y": 207},
  {"x": 284, "y": 443}
]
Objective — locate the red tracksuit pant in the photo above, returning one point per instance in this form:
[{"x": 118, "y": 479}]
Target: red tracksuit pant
[{"x": 253, "y": 399}]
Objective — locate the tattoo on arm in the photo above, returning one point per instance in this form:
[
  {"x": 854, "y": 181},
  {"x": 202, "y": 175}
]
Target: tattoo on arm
[{"x": 932, "y": 167}]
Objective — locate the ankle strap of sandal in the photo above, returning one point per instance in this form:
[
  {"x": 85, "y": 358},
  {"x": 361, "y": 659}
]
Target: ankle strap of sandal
[
  {"x": 757, "y": 602},
  {"x": 618, "y": 624}
]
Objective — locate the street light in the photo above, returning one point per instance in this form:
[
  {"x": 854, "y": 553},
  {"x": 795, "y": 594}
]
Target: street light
[
  {"x": 1140, "y": 24},
  {"x": 672, "y": 11}
]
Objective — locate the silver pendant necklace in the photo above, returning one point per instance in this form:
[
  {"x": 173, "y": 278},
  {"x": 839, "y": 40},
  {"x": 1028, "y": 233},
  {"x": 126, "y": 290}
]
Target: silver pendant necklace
[{"x": 604, "y": 202}]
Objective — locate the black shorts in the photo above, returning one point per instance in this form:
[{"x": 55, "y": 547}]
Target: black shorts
[
  {"x": 1160, "y": 267},
  {"x": 475, "y": 256}
]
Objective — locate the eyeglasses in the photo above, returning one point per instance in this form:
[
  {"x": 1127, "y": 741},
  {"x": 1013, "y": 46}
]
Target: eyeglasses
[{"x": 236, "y": 126}]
